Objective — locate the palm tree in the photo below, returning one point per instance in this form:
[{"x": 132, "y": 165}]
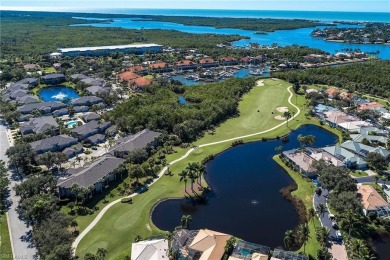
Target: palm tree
[
  {"x": 311, "y": 215},
  {"x": 183, "y": 177},
  {"x": 322, "y": 234},
  {"x": 287, "y": 115},
  {"x": 289, "y": 239},
  {"x": 201, "y": 172},
  {"x": 304, "y": 234},
  {"x": 321, "y": 209},
  {"x": 185, "y": 221},
  {"x": 348, "y": 221},
  {"x": 229, "y": 246}
]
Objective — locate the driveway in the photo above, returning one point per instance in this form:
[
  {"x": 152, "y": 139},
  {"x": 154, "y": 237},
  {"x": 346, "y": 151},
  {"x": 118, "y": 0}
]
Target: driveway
[
  {"x": 369, "y": 179},
  {"x": 337, "y": 249},
  {"x": 20, "y": 233}
]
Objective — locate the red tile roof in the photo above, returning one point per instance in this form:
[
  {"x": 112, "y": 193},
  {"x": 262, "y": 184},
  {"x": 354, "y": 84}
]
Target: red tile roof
[
  {"x": 142, "y": 82},
  {"x": 185, "y": 62},
  {"x": 159, "y": 65},
  {"x": 370, "y": 105},
  {"x": 136, "y": 69},
  {"x": 128, "y": 76},
  {"x": 207, "y": 60}
]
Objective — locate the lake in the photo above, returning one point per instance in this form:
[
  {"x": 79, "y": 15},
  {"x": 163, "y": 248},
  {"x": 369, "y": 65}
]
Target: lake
[
  {"x": 282, "y": 37},
  {"x": 57, "y": 93},
  {"x": 245, "y": 200}
]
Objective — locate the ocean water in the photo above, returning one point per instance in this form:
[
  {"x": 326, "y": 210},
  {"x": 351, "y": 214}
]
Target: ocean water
[
  {"x": 282, "y": 37},
  {"x": 309, "y": 15}
]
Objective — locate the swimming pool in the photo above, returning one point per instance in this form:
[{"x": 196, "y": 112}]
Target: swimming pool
[{"x": 71, "y": 124}]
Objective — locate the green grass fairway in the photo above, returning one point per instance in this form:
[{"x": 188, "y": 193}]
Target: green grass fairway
[
  {"x": 123, "y": 222},
  {"x": 264, "y": 99}
]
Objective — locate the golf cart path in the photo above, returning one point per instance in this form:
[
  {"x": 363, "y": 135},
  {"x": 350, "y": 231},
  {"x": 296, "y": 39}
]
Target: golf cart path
[{"x": 108, "y": 206}]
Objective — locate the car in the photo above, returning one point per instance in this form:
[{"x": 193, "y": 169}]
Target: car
[
  {"x": 331, "y": 217},
  {"x": 94, "y": 148},
  {"x": 338, "y": 235},
  {"x": 335, "y": 225}
]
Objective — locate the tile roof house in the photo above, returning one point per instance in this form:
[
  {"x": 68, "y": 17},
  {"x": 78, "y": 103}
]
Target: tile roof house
[
  {"x": 208, "y": 62},
  {"x": 305, "y": 160},
  {"x": 96, "y": 139},
  {"x": 371, "y": 200},
  {"x": 334, "y": 118},
  {"x": 139, "y": 140},
  {"x": 93, "y": 90},
  {"x": 160, "y": 67},
  {"x": 369, "y": 106},
  {"x": 210, "y": 244},
  {"x": 31, "y": 82},
  {"x": 87, "y": 101},
  {"x": 362, "y": 150},
  {"x": 43, "y": 107},
  {"x": 370, "y": 138},
  {"x": 28, "y": 99},
  {"x": 89, "y": 129},
  {"x": 150, "y": 250},
  {"x": 141, "y": 83},
  {"x": 38, "y": 125},
  {"x": 90, "y": 174},
  {"x": 77, "y": 77},
  {"x": 320, "y": 109},
  {"x": 90, "y": 117},
  {"x": 350, "y": 159},
  {"x": 332, "y": 92},
  {"x": 53, "y": 144},
  {"x": 128, "y": 76},
  {"x": 186, "y": 65},
  {"x": 228, "y": 61},
  {"x": 354, "y": 126},
  {"x": 74, "y": 150},
  {"x": 92, "y": 82},
  {"x": 53, "y": 79}
]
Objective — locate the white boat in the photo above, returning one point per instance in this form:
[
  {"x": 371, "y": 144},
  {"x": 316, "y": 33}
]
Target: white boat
[{"x": 257, "y": 72}]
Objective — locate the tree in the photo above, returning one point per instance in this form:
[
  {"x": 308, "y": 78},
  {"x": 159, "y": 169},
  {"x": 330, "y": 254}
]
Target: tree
[
  {"x": 192, "y": 174},
  {"x": 230, "y": 245},
  {"x": 137, "y": 238},
  {"x": 321, "y": 209},
  {"x": 74, "y": 224},
  {"x": 304, "y": 234},
  {"x": 324, "y": 254},
  {"x": 135, "y": 171},
  {"x": 185, "y": 221},
  {"x": 349, "y": 221},
  {"x": 322, "y": 235},
  {"x": 183, "y": 178},
  {"x": 289, "y": 239},
  {"x": 306, "y": 140},
  {"x": 311, "y": 215},
  {"x": 4, "y": 182},
  {"x": 287, "y": 115},
  {"x": 101, "y": 253},
  {"x": 376, "y": 162},
  {"x": 20, "y": 155}
]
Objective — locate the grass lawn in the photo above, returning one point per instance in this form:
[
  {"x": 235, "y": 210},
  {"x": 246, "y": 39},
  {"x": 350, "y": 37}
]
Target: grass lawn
[
  {"x": 305, "y": 192},
  {"x": 123, "y": 222},
  {"x": 358, "y": 173},
  {"x": 49, "y": 70},
  {"x": 5, "y": 242}
]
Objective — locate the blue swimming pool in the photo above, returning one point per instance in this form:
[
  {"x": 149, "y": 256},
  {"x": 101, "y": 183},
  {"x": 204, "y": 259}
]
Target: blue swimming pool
[
  {"x": 57, "y": 93},
  {"x": 71, "y": 124}
]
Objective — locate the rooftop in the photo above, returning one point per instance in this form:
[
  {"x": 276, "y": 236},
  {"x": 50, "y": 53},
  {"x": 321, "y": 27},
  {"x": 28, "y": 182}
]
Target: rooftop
[
  {"x": 149, "y": 250},
  {"x": 370, "y": 198}
]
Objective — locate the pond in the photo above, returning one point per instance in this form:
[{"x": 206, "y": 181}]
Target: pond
[
  {"x": 299, "y": 36},
  {"x": 382, "y": 247},
  {"x": 57, "y": 93},
  {"x": 245, "y": 200}
]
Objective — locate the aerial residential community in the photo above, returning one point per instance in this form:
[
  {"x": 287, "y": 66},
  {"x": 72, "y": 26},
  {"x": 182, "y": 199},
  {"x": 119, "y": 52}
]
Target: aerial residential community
[{"x": 180, "y": 134}]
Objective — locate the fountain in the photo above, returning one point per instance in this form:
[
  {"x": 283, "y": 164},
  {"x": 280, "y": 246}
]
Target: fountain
[
  {"x": 59, "y": 96},
  {"x": 57, "y": 93}
]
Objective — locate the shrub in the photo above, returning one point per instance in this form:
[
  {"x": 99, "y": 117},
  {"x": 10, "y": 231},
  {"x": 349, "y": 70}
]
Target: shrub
[{"x": 127, "y": 200}]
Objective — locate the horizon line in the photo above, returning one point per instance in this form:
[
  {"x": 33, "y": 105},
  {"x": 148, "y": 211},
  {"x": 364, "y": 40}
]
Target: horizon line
[{"x": 21, "y": 9}]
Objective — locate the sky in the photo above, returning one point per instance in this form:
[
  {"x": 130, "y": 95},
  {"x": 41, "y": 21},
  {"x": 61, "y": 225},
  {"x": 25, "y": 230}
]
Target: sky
[{"x": 296, "y": 5}]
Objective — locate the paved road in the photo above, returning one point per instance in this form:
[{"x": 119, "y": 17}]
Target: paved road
[
  {"x": 17, "y": 228},
  {"x": 325, "y": 219},
  {"x": 337, "y": 248},
  {"x": 104, "y": 210},
  {"x": 369, "y": 179}
]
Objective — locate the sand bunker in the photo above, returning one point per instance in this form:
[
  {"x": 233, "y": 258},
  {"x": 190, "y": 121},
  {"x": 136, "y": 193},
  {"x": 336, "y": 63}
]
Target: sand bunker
[
  {"x": 260, "y": 83},
  {"x": 282, "y": 109},
  {"x": 279, "y": 118}
]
